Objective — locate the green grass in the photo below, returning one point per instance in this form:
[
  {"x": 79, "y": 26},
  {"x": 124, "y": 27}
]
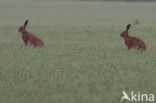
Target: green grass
[{"x": 84, "y": 59}]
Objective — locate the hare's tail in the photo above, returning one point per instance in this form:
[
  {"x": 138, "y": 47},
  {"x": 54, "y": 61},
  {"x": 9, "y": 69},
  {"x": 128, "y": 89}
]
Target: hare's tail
[
  {"x": 40, "y": 43},
  {"x": 145, "y": 47}
]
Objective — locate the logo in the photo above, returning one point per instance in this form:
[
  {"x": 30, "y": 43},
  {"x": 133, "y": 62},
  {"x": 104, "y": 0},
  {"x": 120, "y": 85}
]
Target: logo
[{"x": 137, "y": 97}]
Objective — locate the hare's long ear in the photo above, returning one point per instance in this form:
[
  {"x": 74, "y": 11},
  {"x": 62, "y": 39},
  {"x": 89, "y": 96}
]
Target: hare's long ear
[
  {"x": 128, "y": 26},
  {"x": 26, "y": 22}
]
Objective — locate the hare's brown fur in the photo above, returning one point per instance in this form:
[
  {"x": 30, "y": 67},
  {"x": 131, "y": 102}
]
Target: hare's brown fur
[
  {"x": 28, "y": 38},
  {"x": 133, "y": 42}
]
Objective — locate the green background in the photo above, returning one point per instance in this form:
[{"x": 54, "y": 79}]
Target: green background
[{"x": 84, "y": 59}]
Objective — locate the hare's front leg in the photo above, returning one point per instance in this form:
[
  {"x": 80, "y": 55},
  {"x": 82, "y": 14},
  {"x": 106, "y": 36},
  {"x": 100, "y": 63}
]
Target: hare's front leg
[{"x": 129, "y": 47}]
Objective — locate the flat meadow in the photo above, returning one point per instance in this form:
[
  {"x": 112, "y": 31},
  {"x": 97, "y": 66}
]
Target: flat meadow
[{"x": 84, "y": 59}]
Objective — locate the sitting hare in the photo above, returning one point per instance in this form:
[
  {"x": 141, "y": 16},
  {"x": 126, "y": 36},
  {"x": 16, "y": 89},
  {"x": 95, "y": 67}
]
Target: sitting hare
[
  {"x": 133, "y": 42},
  {"x": 136, "y": 22},
  {"x": 28, "y": 38}
]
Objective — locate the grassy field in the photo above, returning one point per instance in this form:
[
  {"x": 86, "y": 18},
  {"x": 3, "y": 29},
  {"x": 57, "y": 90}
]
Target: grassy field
[{"x": 84, "y": 59}]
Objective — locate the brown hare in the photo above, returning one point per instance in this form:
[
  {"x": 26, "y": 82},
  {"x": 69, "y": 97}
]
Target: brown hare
[
  {"x": 28, "y": 38},
  {"x": 133, "y": 42}
]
